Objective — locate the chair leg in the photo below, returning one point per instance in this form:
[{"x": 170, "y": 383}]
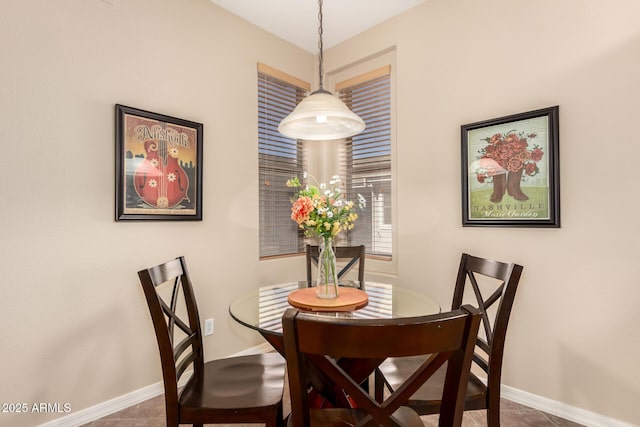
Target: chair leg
[
  {"x": 493, "y": 412},
  {"x": 365, "y": 384},
  {"x": 171, "y": 416},
  {"x": 279, "y": 417},
  {"x": 493, "y": 419},
  {"x": 275, "y": 420},
  {"x": 378, "y": 386}
]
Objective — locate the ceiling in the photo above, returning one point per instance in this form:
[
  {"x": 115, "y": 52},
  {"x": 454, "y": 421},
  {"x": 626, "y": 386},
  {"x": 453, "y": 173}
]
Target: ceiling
[{"x": 297, "y": 20}]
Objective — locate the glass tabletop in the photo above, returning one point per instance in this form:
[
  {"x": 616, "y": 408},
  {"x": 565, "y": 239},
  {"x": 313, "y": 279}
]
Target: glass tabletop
[{"x": 262, "y": 309}]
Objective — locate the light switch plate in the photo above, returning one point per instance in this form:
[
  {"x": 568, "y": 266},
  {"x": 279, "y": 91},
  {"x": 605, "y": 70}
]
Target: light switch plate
[{"x": 208, "y": 326}]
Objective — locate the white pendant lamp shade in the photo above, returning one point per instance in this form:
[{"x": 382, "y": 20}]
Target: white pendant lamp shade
[{"x": 321, "y": 116}]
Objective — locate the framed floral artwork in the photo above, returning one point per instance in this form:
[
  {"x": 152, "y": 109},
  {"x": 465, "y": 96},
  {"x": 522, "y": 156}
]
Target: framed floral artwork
[
  {"x": 158, "y": 166},
  {"x": 510, "y": 171}
]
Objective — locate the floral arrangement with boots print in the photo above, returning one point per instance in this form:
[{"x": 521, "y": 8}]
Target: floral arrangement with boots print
[
  {"x": 506, "y": 161},
  {"x": 510, "y": 170}
]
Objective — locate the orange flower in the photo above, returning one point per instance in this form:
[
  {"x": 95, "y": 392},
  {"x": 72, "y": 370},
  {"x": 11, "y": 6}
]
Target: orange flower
[
  {"x": 320, "y": 210},
  {"x": 512, "y": 137},
  {"x": 495, "y": 138},
  {"x": 536, "y": 154},
  {"x": 530, "y": 168},
  {"x": 300, "y": 209},
  {"x": 514, "y": 165}
]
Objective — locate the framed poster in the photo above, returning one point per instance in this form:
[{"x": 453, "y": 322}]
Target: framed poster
[
  {"x": 510, "y": 171},
  {"x": 158, "y": 166}
]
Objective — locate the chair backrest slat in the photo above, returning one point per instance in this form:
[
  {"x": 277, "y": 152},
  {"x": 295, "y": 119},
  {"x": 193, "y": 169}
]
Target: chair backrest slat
[
  {"x": 355, "y": 255},
  {"x": 505, "y": 278},
  {"x": 183, "y": 364},
  {"x": 177, "y": 353},
  {"x": 320, "y": 344},
  {"x": 183, "y": 345}
]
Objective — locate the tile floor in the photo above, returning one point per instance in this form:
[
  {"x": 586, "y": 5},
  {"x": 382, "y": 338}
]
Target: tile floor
[{"x": 151, "y": 414}]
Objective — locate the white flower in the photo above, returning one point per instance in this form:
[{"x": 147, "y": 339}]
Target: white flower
[
  {"x": 305, "y": 174},
  {"x": 330, "y": 213}
]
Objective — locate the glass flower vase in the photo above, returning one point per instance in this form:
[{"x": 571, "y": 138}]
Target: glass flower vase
[{"x": 327, "y": 281}]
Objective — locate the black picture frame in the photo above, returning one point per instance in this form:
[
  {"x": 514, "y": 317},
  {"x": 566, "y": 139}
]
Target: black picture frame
[
  {"x": 511, "y": 171},
  {"x": 158, "y": 166}
]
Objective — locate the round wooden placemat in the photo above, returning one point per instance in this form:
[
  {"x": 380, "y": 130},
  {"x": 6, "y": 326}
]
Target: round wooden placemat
[{"x": 349, "y": 299}]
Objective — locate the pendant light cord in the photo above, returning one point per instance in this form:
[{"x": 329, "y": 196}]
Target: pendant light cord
[{"x": 321, "y": 60}]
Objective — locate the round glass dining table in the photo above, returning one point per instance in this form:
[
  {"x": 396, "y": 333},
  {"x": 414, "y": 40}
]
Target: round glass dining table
[{"x": 261, "y": 309}]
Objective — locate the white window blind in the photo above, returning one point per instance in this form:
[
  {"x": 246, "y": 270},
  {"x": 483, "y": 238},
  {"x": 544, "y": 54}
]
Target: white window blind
[
  {"x": 366, "y": 159},
  {"x": 280, "y": 158}
]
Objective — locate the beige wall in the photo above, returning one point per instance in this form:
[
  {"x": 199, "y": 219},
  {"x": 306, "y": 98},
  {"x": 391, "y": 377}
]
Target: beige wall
[
  {"x": 75, "y": 325},
  {"x": 573, "y": 336}
]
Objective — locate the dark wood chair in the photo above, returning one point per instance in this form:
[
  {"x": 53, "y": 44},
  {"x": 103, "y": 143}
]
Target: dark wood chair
[
  {"x": 493, "y": 287},
  {"x": 246, "y": 389},
  {"x": 319, "y": 344},
  {"x": 350, "y": 254}
]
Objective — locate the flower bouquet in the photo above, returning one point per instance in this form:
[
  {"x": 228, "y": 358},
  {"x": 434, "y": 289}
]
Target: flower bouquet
[
  {"x": 322, "y": 211},
  {"x": 504, "y": 159}
]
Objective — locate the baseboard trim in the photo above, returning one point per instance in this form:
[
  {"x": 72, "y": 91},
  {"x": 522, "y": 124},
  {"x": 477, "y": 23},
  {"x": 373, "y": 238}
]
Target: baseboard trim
[
  {"x": 119, "y": 403},
  {"x": 103, "y": 409},
  {"x": 562, "y": 410}
]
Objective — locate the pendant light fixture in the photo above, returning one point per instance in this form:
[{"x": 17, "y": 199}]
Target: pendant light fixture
[{"x": 321, "y": 116}]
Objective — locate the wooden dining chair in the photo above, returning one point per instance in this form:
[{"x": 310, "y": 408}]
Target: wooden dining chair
[
  {"x": 349, "y": 254},
  {"x": 246, "y": 389},
  {"x": 319, "y": 344},
  {"x": 492, "y": 287}
]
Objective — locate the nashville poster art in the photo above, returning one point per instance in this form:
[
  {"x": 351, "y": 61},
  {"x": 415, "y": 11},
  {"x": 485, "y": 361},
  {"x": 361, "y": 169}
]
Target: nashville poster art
[
  {"x": 160, "y": 167},
  {"x": 508, "y": 171}
]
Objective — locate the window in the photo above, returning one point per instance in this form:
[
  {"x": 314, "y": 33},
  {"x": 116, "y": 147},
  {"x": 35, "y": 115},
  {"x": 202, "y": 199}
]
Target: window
[
  {"x": 366, "y": 159},
  {"x": 363, "y": 163},
  {"x": 280, "y": 158}
]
